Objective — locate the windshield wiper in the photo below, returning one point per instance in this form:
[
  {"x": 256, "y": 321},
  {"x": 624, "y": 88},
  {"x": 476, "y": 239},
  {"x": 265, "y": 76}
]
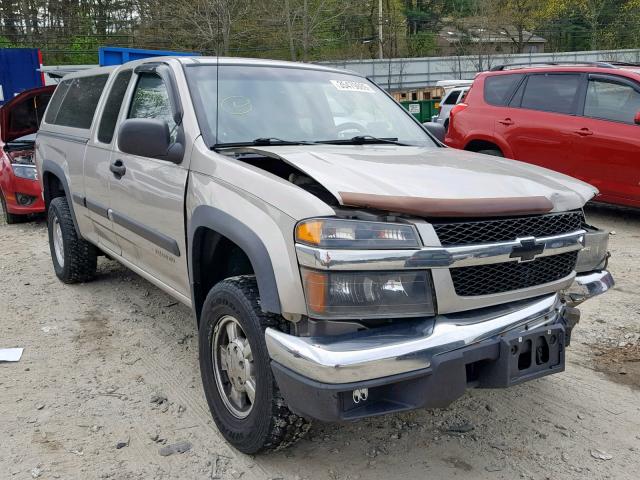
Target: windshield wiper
[
  {"x": 266, "y": 141},
  {"x": 365, "y": 139}
]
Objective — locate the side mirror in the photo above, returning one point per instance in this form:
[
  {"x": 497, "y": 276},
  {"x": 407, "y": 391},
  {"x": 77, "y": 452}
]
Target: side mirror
[
  {"x": 436, "y": 130},
  {"x": 636, "y": 119},
  {"x": 149, "y": 137}
]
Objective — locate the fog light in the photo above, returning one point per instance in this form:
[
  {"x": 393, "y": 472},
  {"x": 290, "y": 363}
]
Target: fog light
[{"x": 24, "y": 200}]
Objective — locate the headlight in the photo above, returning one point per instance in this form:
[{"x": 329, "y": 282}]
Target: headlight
[
  {"x": 381, "y": 294},
  {"x": 25, "y": 171},
  {"x": 595, "y": 252},
  {"x": 338, "y": 233}
]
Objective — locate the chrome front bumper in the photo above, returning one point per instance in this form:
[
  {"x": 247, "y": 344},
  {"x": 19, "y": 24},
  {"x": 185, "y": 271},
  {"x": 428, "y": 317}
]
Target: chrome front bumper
[{"x": 406, "y": 348}]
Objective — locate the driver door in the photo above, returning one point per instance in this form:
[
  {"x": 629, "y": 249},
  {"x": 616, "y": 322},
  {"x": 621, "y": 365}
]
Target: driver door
[{"x": 147, "y": 194}]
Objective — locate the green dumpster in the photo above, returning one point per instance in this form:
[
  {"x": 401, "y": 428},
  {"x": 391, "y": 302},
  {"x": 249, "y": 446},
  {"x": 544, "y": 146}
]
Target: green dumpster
[{"x": 423, "y": 110}]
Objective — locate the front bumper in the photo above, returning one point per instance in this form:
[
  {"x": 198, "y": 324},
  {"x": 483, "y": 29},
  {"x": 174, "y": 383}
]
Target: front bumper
[
  {"x": 28, "y": 187},
  {"x": 427, "y": 361}
]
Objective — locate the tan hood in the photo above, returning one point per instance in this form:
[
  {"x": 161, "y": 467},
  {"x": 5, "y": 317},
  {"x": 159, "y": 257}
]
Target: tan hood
[{"x": 433, "y": 181}]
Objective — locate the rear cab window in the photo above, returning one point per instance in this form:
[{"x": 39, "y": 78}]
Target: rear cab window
[{"x": 75, "y": 101}]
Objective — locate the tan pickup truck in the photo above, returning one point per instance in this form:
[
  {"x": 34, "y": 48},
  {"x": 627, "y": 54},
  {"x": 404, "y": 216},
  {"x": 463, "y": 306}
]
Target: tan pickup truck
[{"x": 340, "y": 261}]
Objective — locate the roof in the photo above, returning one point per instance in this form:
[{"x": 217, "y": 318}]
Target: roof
[
  {"x": 70, "y": 72},
  {"x": 588, "y": 67},
  {"x": 262, "y": 62}
]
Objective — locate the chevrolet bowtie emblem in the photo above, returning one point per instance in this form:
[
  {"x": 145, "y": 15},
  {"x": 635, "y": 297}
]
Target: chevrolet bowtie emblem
[{"x": 528, "y": 250}]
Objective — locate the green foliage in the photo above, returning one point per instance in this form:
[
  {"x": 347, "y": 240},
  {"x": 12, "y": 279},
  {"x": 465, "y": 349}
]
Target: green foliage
[
  {"x": 421, "y": 44},
  {"x": 5, "y": 43},
  {"x": 83, "y": 50},
  {"x": 308, "y": 30}
]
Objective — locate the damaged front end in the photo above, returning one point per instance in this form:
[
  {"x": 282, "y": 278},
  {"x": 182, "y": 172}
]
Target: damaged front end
[{"x": 410, "y": 301}]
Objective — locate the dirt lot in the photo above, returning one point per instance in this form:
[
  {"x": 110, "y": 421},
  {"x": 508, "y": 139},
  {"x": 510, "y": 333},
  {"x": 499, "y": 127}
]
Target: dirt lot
[{"x": 100, "y": 358}]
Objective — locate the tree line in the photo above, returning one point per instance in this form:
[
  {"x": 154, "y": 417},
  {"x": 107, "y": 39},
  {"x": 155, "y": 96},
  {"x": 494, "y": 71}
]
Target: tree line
[{"x": 70, "y": 31}]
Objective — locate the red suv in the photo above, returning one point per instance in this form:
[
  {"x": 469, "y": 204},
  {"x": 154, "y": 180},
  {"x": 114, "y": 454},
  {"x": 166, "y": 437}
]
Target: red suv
[
  {"x": 582, "y": 120},
  {"x": 20, "y": 193}
]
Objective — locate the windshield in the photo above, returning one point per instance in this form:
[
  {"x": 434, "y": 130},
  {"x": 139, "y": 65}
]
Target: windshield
[{"x": 295, "y": 105}]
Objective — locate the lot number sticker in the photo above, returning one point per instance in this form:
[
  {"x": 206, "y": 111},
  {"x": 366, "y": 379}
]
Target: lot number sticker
[{"x": 351, "y": 86}]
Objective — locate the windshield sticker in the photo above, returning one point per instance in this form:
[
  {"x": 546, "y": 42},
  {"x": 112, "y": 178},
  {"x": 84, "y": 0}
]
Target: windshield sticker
[
  {"x": 352, "y": 86},
  {"x": 237, "y": 105}
]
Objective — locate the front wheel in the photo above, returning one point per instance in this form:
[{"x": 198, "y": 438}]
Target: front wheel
[{"x": 236, "y": 373}]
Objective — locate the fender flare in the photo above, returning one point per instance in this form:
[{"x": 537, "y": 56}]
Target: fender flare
[
  {"x": 243, "y": 236},
  {"x": 49, "y": 166}
]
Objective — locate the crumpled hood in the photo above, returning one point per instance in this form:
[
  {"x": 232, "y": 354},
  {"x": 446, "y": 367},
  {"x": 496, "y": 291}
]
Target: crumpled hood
[{"x": 452, "y": 179}]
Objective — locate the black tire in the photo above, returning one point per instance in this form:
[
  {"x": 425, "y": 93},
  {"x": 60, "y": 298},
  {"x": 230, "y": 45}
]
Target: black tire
[
  {"x": 79, "y": 256},
  {"x": 446, "y": 125},
  {"x": 492, "y": 151},
  {"x": 270, "y": 425},
  {"x": 9, "y": 218}
]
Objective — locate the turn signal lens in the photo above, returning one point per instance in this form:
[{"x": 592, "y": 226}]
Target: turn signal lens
[
  {"x": 309, "y": 232},
  {"x": 315, "y": 284},
  {"x": 339, "y": 233}
]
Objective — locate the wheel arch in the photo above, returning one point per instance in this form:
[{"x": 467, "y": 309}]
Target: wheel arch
[
  {"x": 212, "y": 228},
  {"x": 476, "y": 143},
  {"x": 55, "y": 184}
]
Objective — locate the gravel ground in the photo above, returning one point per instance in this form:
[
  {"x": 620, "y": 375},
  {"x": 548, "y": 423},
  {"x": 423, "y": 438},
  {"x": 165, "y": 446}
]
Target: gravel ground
[{"x": 109, "y": 377}]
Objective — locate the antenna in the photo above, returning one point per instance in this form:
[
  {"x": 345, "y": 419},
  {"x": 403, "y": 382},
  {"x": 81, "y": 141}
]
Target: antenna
[{"x": 217, "y": 75}]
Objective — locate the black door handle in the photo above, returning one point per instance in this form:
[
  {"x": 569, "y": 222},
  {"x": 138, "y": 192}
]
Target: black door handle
[{"x": 118, "y": 169}]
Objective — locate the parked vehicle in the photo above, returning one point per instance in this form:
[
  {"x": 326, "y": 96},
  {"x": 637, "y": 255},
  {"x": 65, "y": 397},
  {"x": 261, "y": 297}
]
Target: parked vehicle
[
  {"x": 581, "y": 120},
  {"x": 340, "y": 262},
  {"x": 20, "y": 192},
  {"x": 453, "y": 97}
]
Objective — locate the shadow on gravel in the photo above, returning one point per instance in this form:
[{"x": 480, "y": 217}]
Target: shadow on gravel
[
  {"x": 626, "y": 214},
  {"x": 621, "y": 363}
]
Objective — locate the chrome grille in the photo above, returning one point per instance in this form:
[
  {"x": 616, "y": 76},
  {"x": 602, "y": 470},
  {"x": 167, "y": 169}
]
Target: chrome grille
[
  {"x": 504, "y": 277},
  {"x": 507, "y": 229}
]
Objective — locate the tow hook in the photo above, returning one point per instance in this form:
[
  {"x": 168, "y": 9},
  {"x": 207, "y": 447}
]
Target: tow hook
[{"x": 360, "y": 395}]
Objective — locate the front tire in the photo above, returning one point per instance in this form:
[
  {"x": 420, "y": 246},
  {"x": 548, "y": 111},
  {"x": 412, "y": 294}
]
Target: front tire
[
  {"x": 74, "y": 259},
  {"x": 236, "y": 373}
]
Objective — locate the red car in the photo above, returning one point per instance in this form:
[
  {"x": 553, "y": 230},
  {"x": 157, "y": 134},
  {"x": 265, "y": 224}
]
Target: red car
[
  {"x": 20, "y": 193},
  {"x": 582, "y": 120}
]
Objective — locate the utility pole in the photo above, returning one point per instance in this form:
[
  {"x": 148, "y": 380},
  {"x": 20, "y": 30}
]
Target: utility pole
[{"x": 380, "y": 52}]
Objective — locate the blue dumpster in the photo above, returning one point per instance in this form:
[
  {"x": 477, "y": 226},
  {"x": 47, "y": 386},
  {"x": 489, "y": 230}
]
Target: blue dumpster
[
  {"x": 19, "y": 71},
  {"x": 118, "y": 55}
]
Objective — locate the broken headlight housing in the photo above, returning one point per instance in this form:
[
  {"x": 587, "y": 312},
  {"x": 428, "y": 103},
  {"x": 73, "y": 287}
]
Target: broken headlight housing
[{"x": 595, "y": 253}]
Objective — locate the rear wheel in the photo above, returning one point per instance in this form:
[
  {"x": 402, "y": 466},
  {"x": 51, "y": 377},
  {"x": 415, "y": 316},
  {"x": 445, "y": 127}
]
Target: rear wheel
[
  {"x": 10, "y": 218},
  {"x": 492, "y": 151},
  {"x": 74, "y": 259},
  {"x": 236, "y": 373}
]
